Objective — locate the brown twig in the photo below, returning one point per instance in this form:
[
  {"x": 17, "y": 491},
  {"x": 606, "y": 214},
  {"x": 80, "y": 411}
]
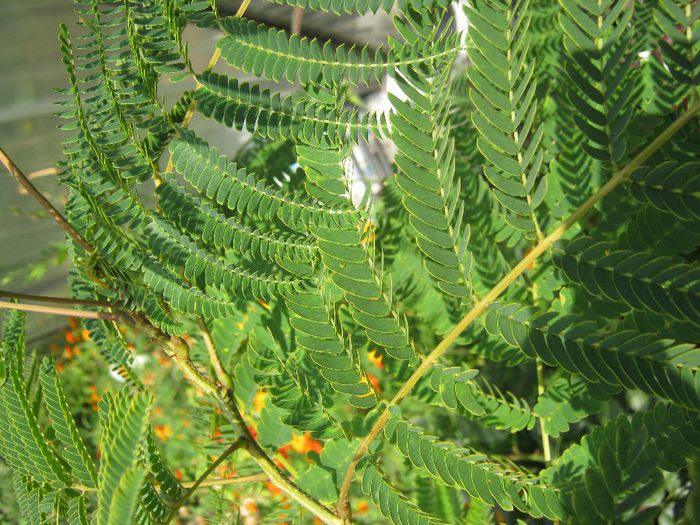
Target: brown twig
[
  {"x": 69, "y": 312},
  {"x": 31, "y": 189},
  {"x": 56, "y": 300},
  {"x": 36, "y": 174},
  {"x": 297, "y": 18}
]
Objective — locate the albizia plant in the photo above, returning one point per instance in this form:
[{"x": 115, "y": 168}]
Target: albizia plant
[{"x": 509, "y": 327}]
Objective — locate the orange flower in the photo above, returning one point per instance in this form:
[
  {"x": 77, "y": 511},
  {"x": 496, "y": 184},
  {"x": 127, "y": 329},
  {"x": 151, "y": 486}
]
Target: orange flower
[
  {"x": 272, "y": 488},
  {"x": 305, "y": 443},
  {"x": 253, "y": 432},
  {"x": 85, "y": 334},
  {"x": 376, "y": 358},
  {"x": 284, "y": 451},
  {"x": 259, "y": 400},
  {"x": 60, "y": 367},
  {"x": 362, "y": 507},
  {"x": 298, "y": 443},
  {"x": 163, "y": 432},
  {"x": 186, "y": 423},
  {"x": 249, "y": 506},
  {"x": 178, "y": 474},
  {"x": 68, "y": 352},
  {"x": 70, "y": 337},
  {"x": 374, "y": 380},
  {"x": 216, "y": 435},
  {"x": 73, "y": 322}
]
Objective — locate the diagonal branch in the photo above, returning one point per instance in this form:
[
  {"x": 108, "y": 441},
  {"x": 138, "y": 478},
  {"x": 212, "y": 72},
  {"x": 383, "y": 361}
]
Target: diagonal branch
[
  {"x": 43, "y": 201},
  {"x": 179, "y": 353},
  {"x": 479, "y": 308},
  {"x": 238, "y": 480},
  {"x": 277, "y": 477},
  {"x": 211, "y": 468},
  {"x": 221, "y": 373}
]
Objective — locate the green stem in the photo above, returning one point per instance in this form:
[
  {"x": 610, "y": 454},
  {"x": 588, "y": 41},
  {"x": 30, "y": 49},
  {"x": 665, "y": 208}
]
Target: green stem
[
  {"x": 221, "y": 373},
  {"x": 277, "y": 477},
  {"x": 546, "y": 449}
]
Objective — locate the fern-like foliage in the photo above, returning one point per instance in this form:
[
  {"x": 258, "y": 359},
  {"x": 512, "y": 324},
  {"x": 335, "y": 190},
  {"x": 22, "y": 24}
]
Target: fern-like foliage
[
  {"x": 52, "y": 463},
  {"x": 503, "y": 93},
  {"x": 527, "y": 271}
]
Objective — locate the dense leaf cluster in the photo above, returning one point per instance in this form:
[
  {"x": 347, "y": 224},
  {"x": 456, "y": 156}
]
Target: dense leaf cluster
[{"x": 571, "y": 390}]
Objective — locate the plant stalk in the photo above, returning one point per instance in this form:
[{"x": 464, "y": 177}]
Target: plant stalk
[
  {"x": 221, "y": 373},
  {"x": 546, "y": 449},
  {"x": 57, "y": 300},
  {"x": 211, "y": 468},
  {"x": 209, "y": 482},
  {"x": 277, "y": 477},
  {"x": 84, "y": 314},
  {"x": 493, "y": 294}
]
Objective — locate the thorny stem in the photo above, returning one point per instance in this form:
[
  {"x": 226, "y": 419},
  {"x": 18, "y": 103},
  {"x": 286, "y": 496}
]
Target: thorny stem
[
  {"x": 211, "y": 468},
  {"x": 212, "y": 63},
  {"x": 43, "y": 201},
  {"x": 179, "y": 352},
  {"x": 493, "y": 294}
]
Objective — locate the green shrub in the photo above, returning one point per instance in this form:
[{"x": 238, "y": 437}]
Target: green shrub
[{"x": 508, "y": 331}]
